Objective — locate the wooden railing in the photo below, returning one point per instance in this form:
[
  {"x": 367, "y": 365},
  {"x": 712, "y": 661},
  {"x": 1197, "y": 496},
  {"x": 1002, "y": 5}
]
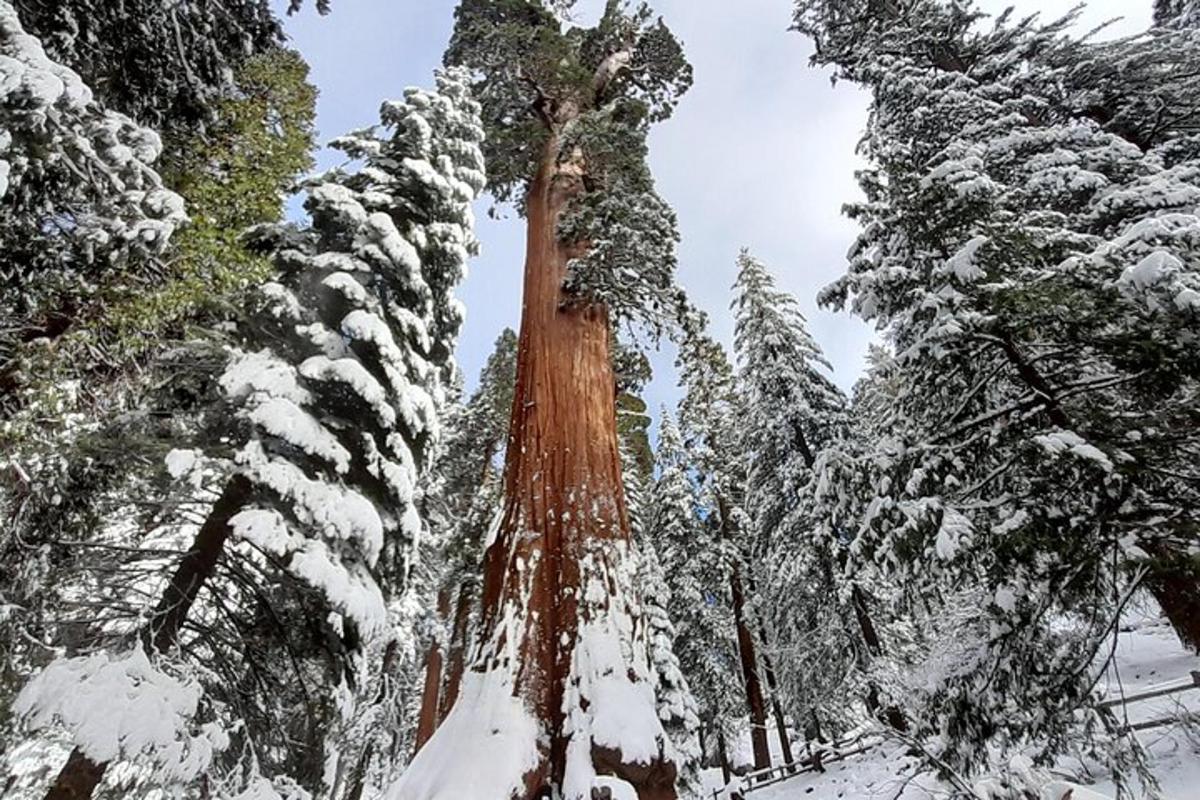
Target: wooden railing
[
  {"x": 825, "y": 754},
  {"x": 1162, "y": 690},
  {"x": 816, "y": 762}
]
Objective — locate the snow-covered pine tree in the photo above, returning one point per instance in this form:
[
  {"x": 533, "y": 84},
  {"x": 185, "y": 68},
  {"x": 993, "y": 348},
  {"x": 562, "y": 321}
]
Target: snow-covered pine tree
[
  {"x": 1031, "y": 269},
  {"x": 569, "y": 110},
  {"x": 80, "y": 192},
  {"x": 1177, "y": 13},
  {"x": 702, "y": 635},
  {"x": 793, "y": 411},
  {"x": 194, "y": 72},
  {"x": 793, "y": 415},
  {"x": 99, "y": 404},
  {"x": 677, "y": 707},
  {"x": 709, "y": 416},
  {"x": 165, "y": 65},
  {"x": 336, "y": 389},
  {"x": 463, "y": 501}
]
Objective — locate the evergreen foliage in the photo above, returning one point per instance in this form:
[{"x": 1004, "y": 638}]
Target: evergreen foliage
[
  {"x": 695, "y": 600},
  {"x": 795, "y": 419},
  {"x": 336, "y": 386},
  {"x": 1026, "y": 265},
  {"x": 677, "y": 708},
  {"x": 590, "y": 95},
  {"x": 1177, "y": 13},
  {"x": 164, "y": 64},
  {"x": 81, "y": 195},
  {"x": 256, "y": 542}
]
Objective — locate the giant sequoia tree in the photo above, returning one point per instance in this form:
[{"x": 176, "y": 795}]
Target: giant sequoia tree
[{"x": 558, "y": 691}]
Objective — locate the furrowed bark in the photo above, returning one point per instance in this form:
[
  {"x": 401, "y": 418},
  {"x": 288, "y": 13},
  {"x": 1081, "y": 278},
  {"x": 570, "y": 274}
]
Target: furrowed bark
[
  {"x": 754, "y": 693},
  {"x": 428, "y": 719},
  {"x": 564, "y": 502},
  {"x": 80, "y": 775},
  {"x": 456, "y": 656}
]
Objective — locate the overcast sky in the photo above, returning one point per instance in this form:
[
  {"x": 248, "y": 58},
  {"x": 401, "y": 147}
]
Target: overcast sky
[{"x": 760, "y": 154}]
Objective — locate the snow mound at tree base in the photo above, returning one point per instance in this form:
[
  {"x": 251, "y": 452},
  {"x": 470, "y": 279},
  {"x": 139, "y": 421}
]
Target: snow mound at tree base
[{"x": 482, "y": 751}]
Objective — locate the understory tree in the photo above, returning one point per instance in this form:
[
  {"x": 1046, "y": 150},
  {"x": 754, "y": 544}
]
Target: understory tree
[
  {"x": 794, "y": 417},
  {"x": 558, "y": 691},
  {"x": 90, "y": 409},
  {"x": 695, "y": 600},
  {"x": 709, "y": 415},
  {"x": 461, "y": 505}
]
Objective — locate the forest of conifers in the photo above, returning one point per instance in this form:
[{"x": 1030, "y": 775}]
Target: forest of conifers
[{"x": 261, "y": 538}]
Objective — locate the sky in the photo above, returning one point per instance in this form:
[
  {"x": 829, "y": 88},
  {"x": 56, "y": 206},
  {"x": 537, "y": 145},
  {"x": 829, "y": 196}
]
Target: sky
[{"x": 761, "y": 152}]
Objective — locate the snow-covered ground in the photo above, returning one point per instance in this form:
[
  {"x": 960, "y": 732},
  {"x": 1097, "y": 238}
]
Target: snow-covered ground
[{"x": 1148, "y": 655}]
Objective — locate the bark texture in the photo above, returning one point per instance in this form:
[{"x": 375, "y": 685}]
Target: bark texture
[
  {"x": 1174, "y": 580},
  {"x": 80, "y": 775},
  {"x": 456, "y": 656},
  {"x": 754, "y": 690},
  {"x": 564, "y": 523},
  {"x": 428, "y": 718}
]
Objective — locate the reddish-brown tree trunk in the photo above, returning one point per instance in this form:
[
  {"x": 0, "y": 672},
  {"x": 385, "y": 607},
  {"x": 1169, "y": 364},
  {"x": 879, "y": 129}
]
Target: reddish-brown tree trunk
[
  {"x": 564, "y": 528},
  {"x": 80, "y": 775},
  {"x": 754, "y": 693},
  {"x": 427, "y": 718},
  {"x": 456, "y": 656}
]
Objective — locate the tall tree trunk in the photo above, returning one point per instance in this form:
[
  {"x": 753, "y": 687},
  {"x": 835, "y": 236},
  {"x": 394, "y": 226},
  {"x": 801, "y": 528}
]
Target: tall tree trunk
[
  {"x": 754, "y": 692},
  {"x": 456, "y": 655},
  {"x": 785, "y": 743},
  {"x": 557, "y": 564},
  {"x": 1173, "y": 580},
  {"x": 80, "y": 775},
  {"x": 428, "y": 718},
  {"x": 755, "y": 703},
  {"x": 812, "y": 732},
  {"x": 723, "y": 754},
  {"x": 870, "y": 636}
]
